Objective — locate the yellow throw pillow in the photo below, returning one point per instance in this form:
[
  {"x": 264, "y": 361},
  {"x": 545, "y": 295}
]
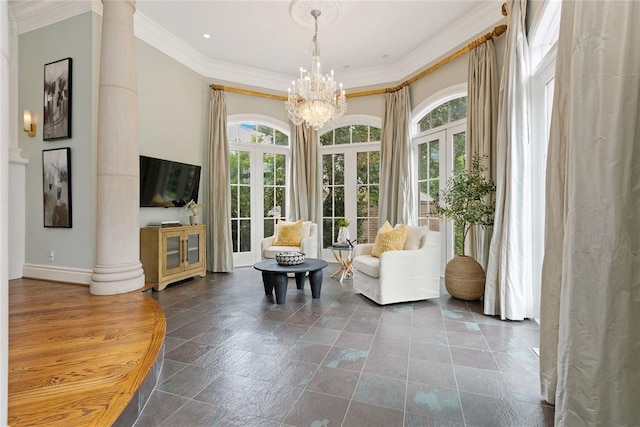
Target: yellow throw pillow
[
  {"x": 377, "y": 245},
  {"x": 289, "y": 233},
  {"x": 392, "y": 240}
]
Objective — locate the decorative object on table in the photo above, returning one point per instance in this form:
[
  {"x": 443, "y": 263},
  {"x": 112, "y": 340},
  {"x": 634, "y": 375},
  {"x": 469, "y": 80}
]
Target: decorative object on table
[
  {"x": 57, "y": 100},
  {"x": 343, "y": 231},
  {"x": 315, "y": 99},
  {"x": 290, "y": 258},
  {"x": 468, "y": 200},
  {"x": 194, "y": 218},
  {"x": 56, "y": 176}
]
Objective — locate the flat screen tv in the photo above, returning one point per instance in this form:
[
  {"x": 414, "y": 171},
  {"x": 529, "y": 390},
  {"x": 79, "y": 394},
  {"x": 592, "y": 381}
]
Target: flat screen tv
[{"x": 165, "y": 183}]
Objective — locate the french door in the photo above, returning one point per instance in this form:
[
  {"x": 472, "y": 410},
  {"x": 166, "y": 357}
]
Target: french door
[
  {"x": 439, "y": 153},
  {"x": 258, "y": 196}
]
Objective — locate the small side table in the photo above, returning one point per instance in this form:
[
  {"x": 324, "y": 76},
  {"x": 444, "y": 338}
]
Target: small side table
[{"x": 345, "y": 269}]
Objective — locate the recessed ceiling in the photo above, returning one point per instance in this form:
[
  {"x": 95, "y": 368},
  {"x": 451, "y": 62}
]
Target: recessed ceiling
[{"x": 259, "y": 43}]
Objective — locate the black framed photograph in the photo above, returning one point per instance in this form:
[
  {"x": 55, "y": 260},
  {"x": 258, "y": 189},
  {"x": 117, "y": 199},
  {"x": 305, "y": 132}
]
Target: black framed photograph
[
  {"x": 57, "y": 100},
  {"x": 56, "y": 175}
]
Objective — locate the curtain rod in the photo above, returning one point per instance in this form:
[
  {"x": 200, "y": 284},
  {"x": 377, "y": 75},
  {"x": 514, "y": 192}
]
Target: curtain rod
[{"x": 497, "y": 31}]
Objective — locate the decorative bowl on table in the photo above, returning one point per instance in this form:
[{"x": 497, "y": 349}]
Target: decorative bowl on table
[{"x": 290, "y": 258}]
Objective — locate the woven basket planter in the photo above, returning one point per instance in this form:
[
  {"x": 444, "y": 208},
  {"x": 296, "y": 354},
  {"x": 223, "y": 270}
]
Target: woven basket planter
[{"x": 464, "y": 278}]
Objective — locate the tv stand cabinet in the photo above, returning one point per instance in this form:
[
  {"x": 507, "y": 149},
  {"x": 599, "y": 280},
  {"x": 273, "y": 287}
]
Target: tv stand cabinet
[{"x": 171, "y": 254}]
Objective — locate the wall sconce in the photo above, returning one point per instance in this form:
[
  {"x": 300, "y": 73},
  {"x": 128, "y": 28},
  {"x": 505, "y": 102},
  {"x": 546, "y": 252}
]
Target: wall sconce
[{"x": 29, "y": 126}]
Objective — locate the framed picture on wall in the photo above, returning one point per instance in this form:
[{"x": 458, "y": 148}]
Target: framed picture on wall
[
  {"x": 57, "y": 100},
  {"x": 56, "y": 176}
]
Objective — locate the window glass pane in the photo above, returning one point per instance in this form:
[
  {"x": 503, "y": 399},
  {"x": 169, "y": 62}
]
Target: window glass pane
[
  {"x": 327, "y": 170},
  {"x": 245, "y": 201},
  {"x": 269, "y": 227},
  {"x": 234, "y": 201},
  {"x": 281, "y": 169},
  {"x": 457, "y": 109},
  {"x": 245, "y": 168},
  {"x": 233, "y": 165},
  {"x": 280, "y": 201},
  {"x": 343, "y": 136},
  {"x": 424, "y": 200},
  {"x": 327, "y": 232},
  {"x": 360, "y": 133},
  {"x": 374, "y": 167},
  {"x": 459, "y": 151},
  {"x": 245, "y": 235},
  {"x": 338, "y": 202},
  {"x": 375, "y": 134},
  {"x": 434, "y": 159},
  {"x": 234, "y": 234},
  {"x": 363, "y": 201},
  {"x": 362, "y": 161},
  {"x": 338, "y": 169},
  {"x": 423, "y": 161},
  {"x": 327, "y": 202},
  {"x": 268, "y": 167},
  {"x": 448, "y": 112},
  {"x": 281, "y": 138},
  {"x": 268, "y": 195},
  {"x": 327, "y": 138}
]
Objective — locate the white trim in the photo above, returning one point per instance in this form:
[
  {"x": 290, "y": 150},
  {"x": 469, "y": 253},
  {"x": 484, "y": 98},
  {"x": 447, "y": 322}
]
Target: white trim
[
  {"x": 260, "y": 119},
  {"x": 353, "y": 119},
  {"x": 57, "y": 274},
  {"x": 32, "y": 15}
]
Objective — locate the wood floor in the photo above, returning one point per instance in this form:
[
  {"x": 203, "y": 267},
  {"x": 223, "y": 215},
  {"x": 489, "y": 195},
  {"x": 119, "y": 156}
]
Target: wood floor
[{"x": 76, "y": 358}]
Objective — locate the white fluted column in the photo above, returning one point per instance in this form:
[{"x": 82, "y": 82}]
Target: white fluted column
[{"x": 118, "y": 268}]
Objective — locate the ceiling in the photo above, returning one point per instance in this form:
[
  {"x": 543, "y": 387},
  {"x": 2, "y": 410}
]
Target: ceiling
[{"x": 259, "y": 43}]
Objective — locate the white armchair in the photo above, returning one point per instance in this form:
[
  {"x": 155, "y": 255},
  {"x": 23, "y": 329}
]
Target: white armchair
[
  {"x": 410, "y": 274},
  {"x": 308, "y": 242}
]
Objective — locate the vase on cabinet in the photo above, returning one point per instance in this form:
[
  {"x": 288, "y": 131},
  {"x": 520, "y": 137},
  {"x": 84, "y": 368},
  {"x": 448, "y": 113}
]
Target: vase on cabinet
[{"x": 194, "y": 219}]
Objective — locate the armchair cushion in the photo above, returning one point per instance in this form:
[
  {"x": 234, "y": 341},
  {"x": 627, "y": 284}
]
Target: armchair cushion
[
  {"x": 377, "y": 245},
  {"x": 392, "y": 240},
  {"x": 414, "y": 237},
  {"x": 308, "y": 241},
  {"x": 288, "y": 233}
]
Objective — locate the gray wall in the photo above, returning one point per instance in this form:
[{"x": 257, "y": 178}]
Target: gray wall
[
  {"x": 173, "y": 120},
  {"x": 74, "y": 246}
]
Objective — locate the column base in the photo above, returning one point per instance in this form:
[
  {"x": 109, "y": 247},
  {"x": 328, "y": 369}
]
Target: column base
[{"x": 118, "y": 279}]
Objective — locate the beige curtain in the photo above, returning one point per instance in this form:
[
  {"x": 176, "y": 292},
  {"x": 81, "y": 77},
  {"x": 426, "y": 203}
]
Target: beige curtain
[
  {"x": 509, "y": 286},
  {"x": 590, "y": 305},
  {"x": 396, "y": 189},
  {"x": 305, "y": 178},
  {"x": 218, "y": 189},
  {"x": 482, "y": 123}
]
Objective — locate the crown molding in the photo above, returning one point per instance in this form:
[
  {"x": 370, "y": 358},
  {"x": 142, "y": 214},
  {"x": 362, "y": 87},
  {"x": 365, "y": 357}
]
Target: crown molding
[{"x": 32, "y": 14}]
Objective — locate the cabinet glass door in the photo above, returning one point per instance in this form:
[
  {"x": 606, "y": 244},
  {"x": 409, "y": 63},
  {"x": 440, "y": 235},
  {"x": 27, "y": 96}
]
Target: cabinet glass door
[
  {"x": 171, "y": 242},
  {"x": 195, "y": 249}
]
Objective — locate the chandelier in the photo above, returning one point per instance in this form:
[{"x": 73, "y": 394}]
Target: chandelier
[{"x": 314, "y": 99}]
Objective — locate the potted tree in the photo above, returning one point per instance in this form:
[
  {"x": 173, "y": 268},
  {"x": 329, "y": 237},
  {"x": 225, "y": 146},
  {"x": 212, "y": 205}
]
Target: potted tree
[{"x": 468, "y": 200}]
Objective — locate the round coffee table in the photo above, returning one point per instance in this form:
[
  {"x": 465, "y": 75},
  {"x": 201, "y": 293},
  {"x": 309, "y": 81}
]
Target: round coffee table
[{"x": 275, "y": 275}]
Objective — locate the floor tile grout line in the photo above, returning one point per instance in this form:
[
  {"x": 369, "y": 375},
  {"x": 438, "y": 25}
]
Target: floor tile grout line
[{"x": 455, "y": 378}]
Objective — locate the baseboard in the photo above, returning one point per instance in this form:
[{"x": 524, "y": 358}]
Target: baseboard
[{"x": 57, "y": 274}]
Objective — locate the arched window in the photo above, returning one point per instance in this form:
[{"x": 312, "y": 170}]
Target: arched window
[
  {"x": 350, "y": 178},
  {"x": 439, "y": 148},
  {"x": 258, "y": 158}
]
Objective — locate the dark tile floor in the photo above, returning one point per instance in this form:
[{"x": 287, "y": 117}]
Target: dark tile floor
[{"x": 235, "y": 358}]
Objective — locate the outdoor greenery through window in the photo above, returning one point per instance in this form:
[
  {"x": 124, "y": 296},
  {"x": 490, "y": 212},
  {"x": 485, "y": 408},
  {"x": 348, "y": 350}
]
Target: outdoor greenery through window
[
  {"x": 240, "y": 165},
  {"x": 332, "y": 196},
  {"x": 254, "y": 133},
  {"x": 448, "y": 112},
  {"x": 351, "y": 134},
  {"x": 350, "y": 180},
  {"x": 258, "y": 168}
]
